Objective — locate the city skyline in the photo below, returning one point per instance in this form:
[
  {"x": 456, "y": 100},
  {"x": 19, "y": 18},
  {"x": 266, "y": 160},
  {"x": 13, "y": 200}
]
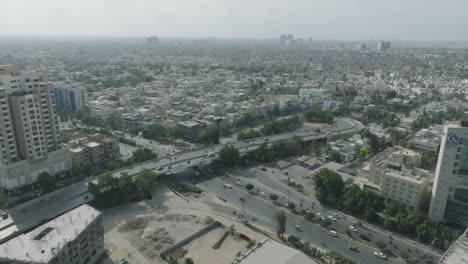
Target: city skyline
[{"x": 334, "y": 20}]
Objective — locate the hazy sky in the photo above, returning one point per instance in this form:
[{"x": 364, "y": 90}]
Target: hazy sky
[{"x": 319, "y": 19}]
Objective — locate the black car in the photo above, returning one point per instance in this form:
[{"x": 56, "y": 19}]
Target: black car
[
  {"x": 353, "y": 248},
  {"x": 364, "y": 237}
]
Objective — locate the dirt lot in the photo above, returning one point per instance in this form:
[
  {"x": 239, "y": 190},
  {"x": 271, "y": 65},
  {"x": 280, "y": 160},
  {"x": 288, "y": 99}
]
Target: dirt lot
[{"x": 140, "y": 231}]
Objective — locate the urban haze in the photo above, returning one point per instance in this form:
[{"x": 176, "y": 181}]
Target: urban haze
[{"x": 246, "y": 132}]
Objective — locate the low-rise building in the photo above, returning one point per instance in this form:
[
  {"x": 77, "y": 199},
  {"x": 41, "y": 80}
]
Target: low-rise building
[
  {"x": 427, "y": 140},
  {"x": 93, "y": 150},
  {"x": 395, "y": 171},
  {"x": 190, "y": 129},
  {"x": 346, "y": 150},
  {"x": 75, "y": 237}
]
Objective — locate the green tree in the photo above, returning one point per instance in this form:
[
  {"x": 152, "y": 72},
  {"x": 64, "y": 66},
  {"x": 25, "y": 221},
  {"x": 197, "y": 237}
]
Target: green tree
[
  {"x": 247, "y": 119},
  {"x": 47, "y": 182},
  {"x": 143, "y": 154},
  {"x": 145, "y": 179},
  {"x": 249, "y": 186},
  {"x": 229, "y": 156},
  {"x": 172, "y": 260},
  {"x": 280, "y": 223},
  {"x": 316, "y": 114},
  {"x": 273, "y": 197},
  {"x": 209, "y": 135},
  {"x": 189, "y": 261},
  {"x": 247, "y": 134},
  {"x": 429, "y": 160},
  {"x": 329, "y": 187}
]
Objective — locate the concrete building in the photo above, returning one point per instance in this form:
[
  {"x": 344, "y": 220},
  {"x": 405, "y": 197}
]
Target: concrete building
[
  {"x": 450, "y": 191},
  {"x": 396, "y": 171},
  {"x": 391, "y": 158},
  {"x": 70, "y": 98},
  {"x": 346, "y": 150},
  {"x": 93, "y": 150},
  {"x": 426, "y": 140},
  {"x": 29, "y": 130},
  {"x": 383, "y": 45},
  {"x": 75, "y": 237},
  {"x": 457, "y": 253},
  {"x": 190, "y": 129},
  {"x": 410, "y": 190}
]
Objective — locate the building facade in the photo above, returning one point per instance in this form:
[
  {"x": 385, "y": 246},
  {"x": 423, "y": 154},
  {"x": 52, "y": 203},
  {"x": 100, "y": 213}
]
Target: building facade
[
  {"x": 71, "y": 98},
  {"x": 29, "y": 130},
  {"x": 94, "y": 150},
  {"x": 76, "y": 237},
  {"x": 450, "y": 191}
]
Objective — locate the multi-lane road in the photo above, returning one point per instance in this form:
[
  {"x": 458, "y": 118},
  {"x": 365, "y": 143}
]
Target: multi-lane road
[{"x": 30, "y": 214}]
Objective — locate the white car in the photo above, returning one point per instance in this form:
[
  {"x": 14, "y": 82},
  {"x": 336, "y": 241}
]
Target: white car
[
  {"x": 353, "y": 228},
  {"x": 227, "y": 185},
  {"x": 298, "y": 227},
  {"x": 319, "y": 215},
  {"x": 263, "y": 194},
  {"x": 380, "y": 255},
  {"x": 333, "y": 233},
  {"x": 284, "y": 179},
  {"x": 239, "y": 183},
  {"x": 331, "y": 217}
]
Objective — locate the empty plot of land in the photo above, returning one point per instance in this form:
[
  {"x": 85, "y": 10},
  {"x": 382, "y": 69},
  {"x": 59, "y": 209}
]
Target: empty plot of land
[{"x": 201, "y": 249}]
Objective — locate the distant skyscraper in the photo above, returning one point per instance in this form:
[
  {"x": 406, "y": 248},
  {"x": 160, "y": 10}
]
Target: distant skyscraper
[
  {"x": 383, "y": 45},
  {"x": 286, "y": 39},
  {"x": 71, "y": 98},
  {"x": 361, "y": 46},
  {"x": 152, "y": 40},
  {"x": 29, "y": 132},
  {"x": 450, "y": 190}
]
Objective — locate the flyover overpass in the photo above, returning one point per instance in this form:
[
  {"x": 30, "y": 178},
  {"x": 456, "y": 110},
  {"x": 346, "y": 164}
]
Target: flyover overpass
[{"x": 49, "y": 206}]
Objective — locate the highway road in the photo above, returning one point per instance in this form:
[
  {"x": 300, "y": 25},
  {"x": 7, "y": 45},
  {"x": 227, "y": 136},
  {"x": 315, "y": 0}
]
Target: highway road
[
  {"x": 32, "y": 213},
  {"x": 269, "y": 181},
  {"x": 261, "y": 212}
]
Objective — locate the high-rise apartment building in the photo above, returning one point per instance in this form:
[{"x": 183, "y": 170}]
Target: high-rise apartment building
[
  {"x": 29, "y": 130},
  {"x": 450, "y": 191},
  {"x": 71, "y": 98}
]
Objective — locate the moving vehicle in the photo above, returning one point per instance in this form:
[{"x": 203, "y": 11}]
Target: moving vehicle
[
  {"x": 298, "y": 227},
  {"x": 353, "y": 248},
  {"x": 364, "y": 237},
  {"x": 160, "y": 168},
  {"x": 263, "y": 169},
  {"x": 211, "y": 154},
  {"x": 331, "y": 217},
  {"x": 333, "y": 233},
  {"x": 119, "y": 133},
  {"x": 266, "y": 139},
  {"x": 227, "y": 185},
  {"x": 380, "y": 255}
]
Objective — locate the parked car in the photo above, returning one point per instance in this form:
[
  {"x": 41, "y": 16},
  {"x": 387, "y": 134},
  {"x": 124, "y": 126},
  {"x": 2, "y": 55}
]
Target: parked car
[
  {"x": 333, "y": 233},
  {"x": 239, "y": 183},
  {"x": 331, "y": 217},
  {"x": 300, "y": 186},
  {"x": 227, "y": 185},
  {"x": 263, "y": 194},
  {"x": 353, "y": 228},
  {"x": 263, "y": 169},
  {"x": 298, "y": 228}
]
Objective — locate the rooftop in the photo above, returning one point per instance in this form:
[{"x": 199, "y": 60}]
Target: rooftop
[
  {"x": 275, "y": 253},
  {"x": 42, "y": 243}
]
